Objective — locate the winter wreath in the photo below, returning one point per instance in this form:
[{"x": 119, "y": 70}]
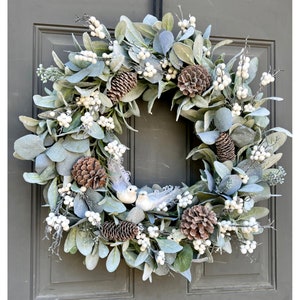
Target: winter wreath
[{"x": 78, "y": 157}]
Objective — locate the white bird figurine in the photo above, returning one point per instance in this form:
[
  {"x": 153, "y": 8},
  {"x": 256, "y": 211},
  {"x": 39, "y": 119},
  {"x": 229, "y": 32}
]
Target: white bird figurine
[
  {"x": 149, "y": 201},
  {"x": 120, "y": 178},
  {"x": 128, "y": 196}
]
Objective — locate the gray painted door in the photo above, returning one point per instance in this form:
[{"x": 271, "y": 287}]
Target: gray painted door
[{"x": 37, "y": 26}]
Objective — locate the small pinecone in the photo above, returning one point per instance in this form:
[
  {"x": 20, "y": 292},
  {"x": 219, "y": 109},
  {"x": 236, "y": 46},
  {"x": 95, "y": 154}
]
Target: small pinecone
[
  {"x": 88, "y": 172},
  {"x": 123, "y": 231},
  {"x": 121, "y": 85},
  {"x": 198, "y": 222},
  {"x": 193, "y": 80},
  {"x": 225, "y": 147}
]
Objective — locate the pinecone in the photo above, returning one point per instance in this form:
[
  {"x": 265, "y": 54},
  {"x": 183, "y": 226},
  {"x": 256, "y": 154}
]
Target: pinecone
[
  {"x": 198, "y": 222},
  {"x": 193, "y": 80},
  {"x": 123, "y": 231},
  {"x": 225, "y": 147},
  {"x": 88, "y": 172},
  {"x": 121, "y": 85}
]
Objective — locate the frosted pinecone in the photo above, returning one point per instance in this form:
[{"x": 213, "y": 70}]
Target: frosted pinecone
[
  {"x": 121, "y": 84},
  {"x": 194, "y": 80},
  {"x": 88, "y": 172},
  {"x": 197, "y": 222},
  {"x": 225, "y": 147},
  {"x": 123, "y": 231}
]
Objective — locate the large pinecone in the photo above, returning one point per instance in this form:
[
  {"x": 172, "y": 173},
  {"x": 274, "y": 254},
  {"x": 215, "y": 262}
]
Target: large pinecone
[
  {"x": 121, "y": 84},
  {"x": 193, "y": 80},
  {"x": 197, "y": 222},
  {"x": 88, "y": 172},
  {"x": 122, "y": 232},
  {"x": 225, "y": 147}
]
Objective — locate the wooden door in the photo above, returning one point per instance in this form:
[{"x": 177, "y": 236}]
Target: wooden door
[{"x": 37, "y": 27}]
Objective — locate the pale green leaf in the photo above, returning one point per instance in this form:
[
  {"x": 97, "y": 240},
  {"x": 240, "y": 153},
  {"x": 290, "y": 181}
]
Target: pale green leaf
[
  {"x": 113, "y": 259},
  {"x": 70, "y": 241},
  {"x": 184, "y": 53},
  {"x": 52, "y": 194},
  {"x": 169, "y": 246},
  {"x": 84, "y": 241}
]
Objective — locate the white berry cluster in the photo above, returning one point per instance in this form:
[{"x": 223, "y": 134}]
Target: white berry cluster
[
  {"x": 107, "y": 57},
  {"x": 171, "y": 72},
  {"x": 206, "y": 51},
  {"x": 96, "y": 28},
  {"x": 150, "y": 70},
  {"x": 248, "y": 247},
  {"x": 243, "y": 67},
  {"x": 143, "y": 54},
  {"x": 259, "y": 153},
  {"x": 64, "y": 120},
  {"x": 87, "y": 120},
  {"x": 66, "y": 194},
  {"x": 162, "y": 207},
  {"x": 185, "y": 24},
  {"x": 93, "y": 217},
  {"x": 185, "y": 199},
  {"x": 222, "y": 79},
  {"x": 236, "y": 109},
  {"x": 250, "y": 226},
  {"x": 225, "y": 226},
  {"x": 201, "y": 245},
  {"x": 86, "y": 55},
  {"x": 143, "y": 241},
  {"x": 249, "y": 108},
  {"x": 116, "y": 149},
  {"x": 266, "y": 78},
  {"x": 153, "y": 231},
  {"x": 57, "y": 223},
  {"x": 106, "y": 122},
  {"x": 91, "y": 102},
  {"x": 236, "y": 203},
  {"x": 161, "y": 258},
  {"x": 242, "y": 93}
]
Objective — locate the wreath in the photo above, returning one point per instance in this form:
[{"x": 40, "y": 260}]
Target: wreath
[{"x": 94, "y": 208}]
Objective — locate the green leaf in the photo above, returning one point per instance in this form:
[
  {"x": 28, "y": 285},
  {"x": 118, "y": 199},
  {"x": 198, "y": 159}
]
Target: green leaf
[
  {"x": 105, "y": 100},
  {"x": 29, "y": 146},
  {"x": 184, "y": 259},
  {"x": 132, "y": 34},
  {"x": 56, "y": 152},
  {"x": 91, "y": 260},
  {"x": 135, "y": 93},
  {"x": 167, "y": 21},
  {"x": 33, "y": 178},
  {"x": 221, "y": 169},
  {"x": 221, "y": 44},
  {"x": 130, "y": 258},
  {"x": 145, "y": 29},
  {"x": 103, "y": 250},
  {"x": 113, "y": 259},
  {"x": 274, "y": 141},
  {"x": 57, "y": 61},
  {"x": 52, "y": 194},
  {"x": 113, "y": 206},
  {"x": 169, "y": 246},
  {"x": 70, "y": 241},
  {"x": 197, "y": 48},
  {"x": 184, "y": 53},
  {"x": 270, "y": 161},
  {"x": 29, "y": 123},
  {"x": 87, "y": 41},
  {"x": 96, "y": 131},
  {"x": 84, "y": 242},
  {"x": 141, "y": 258},
  {"x": 76, "y": 146},
  {"x": 256, "y": 212},
  {"x": 223, "y": 119}
]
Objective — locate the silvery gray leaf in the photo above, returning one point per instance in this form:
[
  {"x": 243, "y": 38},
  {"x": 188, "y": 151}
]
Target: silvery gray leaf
[
  {"x": 76, "y": 146},
  {"x": 80, "y": 206},
  {"x": 242, "y": 136},
  {"x": 84, "y": 242},
  {"x": 223, "y": 119}
]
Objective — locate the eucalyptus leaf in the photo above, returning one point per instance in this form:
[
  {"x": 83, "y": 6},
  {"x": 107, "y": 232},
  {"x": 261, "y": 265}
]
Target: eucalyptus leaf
[
  {"x": 251, "y": 188},
  {"x": 80, "y": 206},
  {"x": 91, "y": 260},
  {"x": 52, "y": 194},
  {"x": 166, "y": 40},
  {"x": 76, "y": 146},
  {"x": 113, "y": 206},
  {"x": 135, "y": 93},
  {"x": 184, "y": 53},
  {"x": 33, "y": 178},
  {"x": 168, "y": 246},
  {"x": 141, "y": 258},
  {"x": 56, "y": 152},
  {"x": 64, "y": 167},
  {"x": 209, "y": 137},
  {"x": 113, "y": 259},
  {"x": 70, "y": 241},
  {"x": 103, "y": 250},
  {"x": 29, "y": 146},
  {"x": 29, "y": 123},
  {"x": 221, "y": 169},
  {"x": 223, "y": 119},
  {"x": 230, "y": 184},
  {"x": 96, "y": 131},
  {"x": 183, "y": 259},
  {"x": 42, "y": 162},
  {"x": 84, "y": 241},
  {"x": 256, "y": 212}
]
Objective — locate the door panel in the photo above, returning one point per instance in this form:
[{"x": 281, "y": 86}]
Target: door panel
[{"x": 157, "y": 155}]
